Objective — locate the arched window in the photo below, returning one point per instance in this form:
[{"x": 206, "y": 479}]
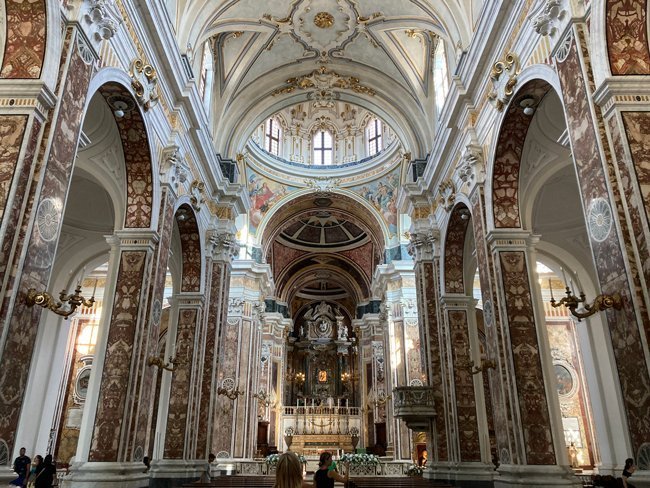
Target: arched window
[
  {"x": 440, "y": 74},
  {"x": 323, "y": 148},
  {"x": 272, "y": 137},
  {"x": 206, "y": 74},
  {"x": 373, "y": 137}
]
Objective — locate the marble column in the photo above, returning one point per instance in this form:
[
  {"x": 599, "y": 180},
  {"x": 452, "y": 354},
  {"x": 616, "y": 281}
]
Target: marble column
[
  {"x": 38, "y": 137},
  {"x": 180, "y": 432},
  {"x": 471, "y": 441},
  {"x": 235, "y": 422},
  {"x": 425, "y": 251},
  {"x": 538, "y": 455},
  {"x": 612, "y": 180},
  {"x": 222, "y": 247}
]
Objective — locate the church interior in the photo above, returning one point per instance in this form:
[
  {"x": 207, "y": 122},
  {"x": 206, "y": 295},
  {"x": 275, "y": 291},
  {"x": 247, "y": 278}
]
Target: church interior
[{"x": 412, "y": 232}]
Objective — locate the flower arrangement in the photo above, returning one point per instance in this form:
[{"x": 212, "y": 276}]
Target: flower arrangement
[
  {"x": 272, "y": 459},
  {"x": 414, "y": 470},
  {"x": 360, "y": 459}
]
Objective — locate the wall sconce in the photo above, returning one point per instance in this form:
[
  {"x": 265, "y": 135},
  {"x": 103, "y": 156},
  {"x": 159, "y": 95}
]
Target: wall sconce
[
  {"x": 74, "y": 301},
  {"x": 485, "y": 365},
  {"x": 262, "y": 399},
  {"x": 600, "y": 303},
  {"x": 231, "y": 394},
  {"x": 346, "y": 377},
  {"x": 160, "y": 363}
]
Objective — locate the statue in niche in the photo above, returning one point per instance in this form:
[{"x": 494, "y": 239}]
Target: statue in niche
[
  {"x": 343, "y": 332},
  {"x": 322, "y": 326},
  {"x": 302, "y": 331}
]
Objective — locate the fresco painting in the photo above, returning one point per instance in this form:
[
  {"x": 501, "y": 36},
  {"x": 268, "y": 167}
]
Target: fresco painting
[
  {"x": 264, "y": 194},
  {"x": 382, "y": 194}
]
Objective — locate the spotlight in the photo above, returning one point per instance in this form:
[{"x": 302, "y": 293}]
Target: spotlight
[
  {"x": 528, "y": 103},
  {"x": 119, "y": 108}
]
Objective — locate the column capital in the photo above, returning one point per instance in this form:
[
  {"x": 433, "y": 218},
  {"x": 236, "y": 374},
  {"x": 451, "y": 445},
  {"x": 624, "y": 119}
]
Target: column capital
[
  {"x": 190, "y": 300},
  {"x": 452, "y": 301},
  {"x": 222, "y": 245},
  {"x": 133, "y": 239},
  {"x": 424, "y": 246},
  {"x": 623, "y": 94},
  {"x": 511, "y": 240},
  {"x": 174, "y": 170}
]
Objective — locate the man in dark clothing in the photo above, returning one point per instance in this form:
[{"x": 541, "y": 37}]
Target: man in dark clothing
[{"x": 21, "y": 465}]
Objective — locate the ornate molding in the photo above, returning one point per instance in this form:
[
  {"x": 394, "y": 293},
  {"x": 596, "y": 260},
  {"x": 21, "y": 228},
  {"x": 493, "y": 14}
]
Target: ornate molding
[
  {"x": 323, "y": 81},
  {"x": 104, "y": 18},
  {"x": 546, "y": 22},
  {"x": 421, "y": 246},
  {"x": 447, "y": 191},
  {"x": 173, "y": 169},
  {"x": 197, "y": 194},
  {"x": 471, "y": 168},
  {"x": 222, "y": 246},
  {"x": 144, "y": 81},
  {"x": 504, "y": 79}
]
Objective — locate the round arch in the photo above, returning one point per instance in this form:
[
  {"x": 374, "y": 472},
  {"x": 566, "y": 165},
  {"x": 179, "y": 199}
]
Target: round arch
[
  {"x": 142, "y": 190},
  {"x": 268, "y": 227}
]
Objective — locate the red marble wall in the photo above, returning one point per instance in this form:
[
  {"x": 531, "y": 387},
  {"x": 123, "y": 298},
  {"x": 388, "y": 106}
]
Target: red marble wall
[
  {"x": 468, "y": 434},
  {"x": 533, "y": 405},
  {"x": 146, "y": 386},
  {"x": 137, "y": 156},
  {"x": 181, "y": 394},
  {"x": 502, "y": 410},
  {"x": 593, "y": 173},
  {"x": 507, "y": 159},
  {"x": 115, "y": 380},
  {"x": 12, "y": 130},
  {"x": 454, "y": 249},
  {"x": 191, "y": 250},
  {"x": 627, "y": 37},
  {"x": 428, "y": 295},
  {"x": 34, "y": 271},
  {"x": 216, "y": 286},
  {"x": 26, "y": 23}
]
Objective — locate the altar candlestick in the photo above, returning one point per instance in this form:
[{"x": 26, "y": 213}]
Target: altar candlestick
[{"x": 551, "y": 287}]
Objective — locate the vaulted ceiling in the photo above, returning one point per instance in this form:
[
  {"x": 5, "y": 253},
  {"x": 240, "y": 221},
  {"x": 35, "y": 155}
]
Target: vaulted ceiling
[{"x": 375, "y": 53}]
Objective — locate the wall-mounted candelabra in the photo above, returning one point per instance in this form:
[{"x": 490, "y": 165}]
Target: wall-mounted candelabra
[
  {"x": 263, "y": 399},
  {"x": 73, "y": 301},
  {"x": 230, "y": 394},
  {"x": 572, "y": 302},
  {"x": 299, "y": 378},
  {"x": 160, "y": 362}
]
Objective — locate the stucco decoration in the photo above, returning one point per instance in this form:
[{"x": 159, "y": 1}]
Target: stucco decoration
[
  {"x": 25, "y": 39},
  {"x": 504, "y": 79},
  {"x": 627, "y": 37}
]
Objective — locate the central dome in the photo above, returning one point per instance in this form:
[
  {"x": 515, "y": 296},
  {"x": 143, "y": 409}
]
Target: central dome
[{"x": 324, "y": 134}]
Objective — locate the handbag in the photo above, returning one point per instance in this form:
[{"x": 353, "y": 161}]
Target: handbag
[{"x": 32, "y": 482}]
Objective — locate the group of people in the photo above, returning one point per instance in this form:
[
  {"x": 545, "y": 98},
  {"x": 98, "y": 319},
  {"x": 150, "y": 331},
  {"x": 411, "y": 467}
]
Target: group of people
[
  {"x": 288, "y": 473},
  {"x": 37, "y": 473}
]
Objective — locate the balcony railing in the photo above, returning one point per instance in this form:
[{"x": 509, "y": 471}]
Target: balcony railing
[{"x": 414, "y": 405}]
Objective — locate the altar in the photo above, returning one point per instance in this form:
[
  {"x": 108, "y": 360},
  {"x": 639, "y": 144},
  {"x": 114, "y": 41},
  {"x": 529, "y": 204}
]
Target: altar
[{"x": 314, "y": 444}]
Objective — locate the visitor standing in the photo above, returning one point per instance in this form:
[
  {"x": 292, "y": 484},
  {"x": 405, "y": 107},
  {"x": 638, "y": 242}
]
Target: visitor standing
[
  {"x": 288, "y": 472},
  {"x": 326, "y": 474},
  {"x": 21, "y": 465}
]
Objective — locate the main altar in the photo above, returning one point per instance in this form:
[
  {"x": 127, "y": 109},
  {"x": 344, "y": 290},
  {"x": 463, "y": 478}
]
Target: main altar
[{"x": 321, "y": 405}]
